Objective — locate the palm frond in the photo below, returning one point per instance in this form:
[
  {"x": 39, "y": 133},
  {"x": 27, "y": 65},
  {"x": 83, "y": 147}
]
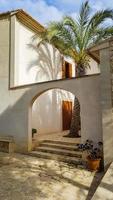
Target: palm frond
[
  {"x": 103, "y": 33},
  {"x": 83, "y": 21},
  {"x": 72, "y": 23},
  {"x": 99, "y": 17},
  {"x": 73, "y": 26},
  {"x": 84, "y": 14},
  {"x": 72, "y": 37},
  {"x": 95, "y": 23}
]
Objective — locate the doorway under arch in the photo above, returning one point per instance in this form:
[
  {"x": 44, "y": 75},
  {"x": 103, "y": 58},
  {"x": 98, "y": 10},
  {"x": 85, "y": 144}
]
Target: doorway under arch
[{"x": 51, "y": 115}]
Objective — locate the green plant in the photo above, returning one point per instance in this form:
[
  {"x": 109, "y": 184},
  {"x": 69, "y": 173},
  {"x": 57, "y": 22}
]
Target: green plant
[
  {"x": 94, "y": 150},
  {"x": 33, "y": 131},
  {"x": 73, "y": 36}
]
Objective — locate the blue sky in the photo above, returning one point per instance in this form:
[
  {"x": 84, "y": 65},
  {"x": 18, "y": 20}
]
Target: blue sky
[{"x": 47, "y": 10}]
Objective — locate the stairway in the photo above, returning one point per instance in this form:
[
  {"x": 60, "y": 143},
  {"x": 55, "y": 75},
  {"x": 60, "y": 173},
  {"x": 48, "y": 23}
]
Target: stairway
[{"x": 57, "y": 150}]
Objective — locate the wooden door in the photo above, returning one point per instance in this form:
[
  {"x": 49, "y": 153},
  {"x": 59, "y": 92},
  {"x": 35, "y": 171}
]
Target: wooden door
[
  {"x": 66, "y": 69},
  {"x": 66, "y": 114}
]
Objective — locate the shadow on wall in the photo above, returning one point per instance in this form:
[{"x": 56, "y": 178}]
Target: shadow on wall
[
  {"x": 44, "y": 112},
  {"x": 13, "y": 121},
  {"x": 47, "y": 110},
  {"x": 48, "y": 64}
]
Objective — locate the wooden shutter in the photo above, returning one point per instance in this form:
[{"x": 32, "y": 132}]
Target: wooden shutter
[
  {"x": 70, "y": 70},
  {"x": 66, "y": 69}
]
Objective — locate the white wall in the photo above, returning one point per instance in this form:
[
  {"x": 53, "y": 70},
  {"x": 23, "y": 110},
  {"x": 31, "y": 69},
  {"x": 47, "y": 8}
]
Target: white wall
[
  {"x": 34, "y": 65},
  {"x": 47, "y": 110},
  {"x": 4, "y": 64},
  {"x": 40, "y": 64},
  {"x": 94, "y": 67}
]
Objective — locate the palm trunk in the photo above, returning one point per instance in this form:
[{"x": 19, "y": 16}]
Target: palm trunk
[
  {"x": 80, "y": 71},
  {"x": 76, "y": 121}
]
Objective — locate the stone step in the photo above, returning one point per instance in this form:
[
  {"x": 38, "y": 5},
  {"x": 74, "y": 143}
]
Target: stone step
[
  {"x": 60, "y": 146},
  {"x": 59, "y": 151},
  {"x": 59, "y": 142},
  {"x": 67, "y": 159}
]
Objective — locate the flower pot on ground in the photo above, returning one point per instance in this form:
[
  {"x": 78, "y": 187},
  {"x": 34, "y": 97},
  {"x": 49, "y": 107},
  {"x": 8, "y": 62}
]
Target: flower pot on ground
[
  {"x": 94, "y": 154},
  {"x": 93, "y": 164}
]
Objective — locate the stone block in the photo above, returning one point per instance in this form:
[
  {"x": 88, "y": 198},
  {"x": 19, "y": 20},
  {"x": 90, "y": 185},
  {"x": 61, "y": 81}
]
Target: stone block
[{"x": 7, "y": 144}]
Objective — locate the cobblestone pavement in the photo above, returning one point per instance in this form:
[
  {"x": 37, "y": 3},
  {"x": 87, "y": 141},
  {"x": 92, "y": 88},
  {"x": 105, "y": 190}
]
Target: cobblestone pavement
[{"x": 27, "y": 178}]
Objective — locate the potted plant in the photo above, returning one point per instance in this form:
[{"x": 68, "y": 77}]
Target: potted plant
[
  {"x": 34, "y": 130},
  {"x": 94, "y": 153}
]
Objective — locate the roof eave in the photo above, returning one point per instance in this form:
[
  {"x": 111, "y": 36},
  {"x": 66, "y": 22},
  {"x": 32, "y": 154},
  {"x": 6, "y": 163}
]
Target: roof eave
[{"x": 25, "y": 19}]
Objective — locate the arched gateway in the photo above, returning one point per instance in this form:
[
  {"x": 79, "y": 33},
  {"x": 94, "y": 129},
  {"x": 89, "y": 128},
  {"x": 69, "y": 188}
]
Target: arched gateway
[{"x": 18, "y": 111}]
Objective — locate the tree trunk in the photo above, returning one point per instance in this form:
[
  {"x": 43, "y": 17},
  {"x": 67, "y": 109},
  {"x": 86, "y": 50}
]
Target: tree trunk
[
  {"x": 80, "y": 71},
  {"x": 76, "y": 121}
]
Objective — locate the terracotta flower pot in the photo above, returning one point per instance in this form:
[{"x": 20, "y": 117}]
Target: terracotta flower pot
[{"x": 93, "y": 165}]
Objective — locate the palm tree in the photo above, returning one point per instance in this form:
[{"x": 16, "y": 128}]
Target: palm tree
[{"x": 73, "y": 37}]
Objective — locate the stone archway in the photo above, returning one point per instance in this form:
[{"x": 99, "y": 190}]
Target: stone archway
[
  {"x": 81, "y": 88},
  {"x": 15, "y": 111},
  {"x": 58, "y": 95}
]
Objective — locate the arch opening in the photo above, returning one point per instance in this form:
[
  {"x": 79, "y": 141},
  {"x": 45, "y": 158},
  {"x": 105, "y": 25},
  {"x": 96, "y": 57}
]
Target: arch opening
[{"x": 52, "y": 116}]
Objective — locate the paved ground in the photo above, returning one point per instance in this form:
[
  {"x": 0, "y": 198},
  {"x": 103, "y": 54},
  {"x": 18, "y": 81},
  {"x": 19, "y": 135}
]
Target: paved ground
[
  {"x": 27, "y": 178},
  {"x": 105, "y": 189}
]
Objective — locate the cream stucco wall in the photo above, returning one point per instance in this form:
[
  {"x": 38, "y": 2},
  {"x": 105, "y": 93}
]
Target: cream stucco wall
[
  {"x": 4, "y": 64},
  {"x": 15, "y": 104},
  {"x": 94, "y": 67},
  {"x": 106, "y": 104},
  {"x": 8, "y": 99},
  {"x": 32, "y": 64},
  {"x": 27, "y": 63},
  {"x": 47, "y": 110}
]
